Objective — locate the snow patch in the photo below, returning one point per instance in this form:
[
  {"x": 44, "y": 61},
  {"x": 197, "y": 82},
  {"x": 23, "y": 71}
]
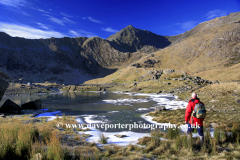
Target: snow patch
[
  {"x": 142, "y": 109},
  {"x": 125, "y": 101},
  {"x": 89, "y": 119},
  {"x": 113, "y": 111}
]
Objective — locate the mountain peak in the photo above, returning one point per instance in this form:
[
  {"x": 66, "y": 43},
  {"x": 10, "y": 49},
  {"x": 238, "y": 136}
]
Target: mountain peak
[
  {"x": 132, "y": 39},
  {"x": 130, "y": 26}
]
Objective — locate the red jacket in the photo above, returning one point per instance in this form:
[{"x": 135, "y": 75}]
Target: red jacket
[{"x": 188, "y": 112}]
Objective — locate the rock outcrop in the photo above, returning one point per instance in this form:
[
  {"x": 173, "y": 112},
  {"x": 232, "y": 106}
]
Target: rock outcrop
[
  {"x": 10, "y": 107},
  {"x": 3, "y": 86},
  {"x": 34, "y": 105},
  {"x": 160, "y": 108}
]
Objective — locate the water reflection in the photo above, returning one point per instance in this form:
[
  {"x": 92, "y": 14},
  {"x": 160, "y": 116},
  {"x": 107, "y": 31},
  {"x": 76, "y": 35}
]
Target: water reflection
[{"x": 84, "y": 104}]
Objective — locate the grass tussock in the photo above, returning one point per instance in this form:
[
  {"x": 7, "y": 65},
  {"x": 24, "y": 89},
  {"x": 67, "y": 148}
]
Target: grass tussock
[
  {"x": 17, "y": 140},
  {"x": 54, "y": 150},
  {"x": 103, "y": 139},
  {"x": 173, "y": 133}
]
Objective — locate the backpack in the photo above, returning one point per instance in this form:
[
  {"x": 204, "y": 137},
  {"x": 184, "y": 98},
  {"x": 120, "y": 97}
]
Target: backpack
[{"x": 199, "y": 111}]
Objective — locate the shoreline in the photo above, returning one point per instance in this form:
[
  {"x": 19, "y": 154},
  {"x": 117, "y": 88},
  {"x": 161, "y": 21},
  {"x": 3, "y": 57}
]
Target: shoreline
[{"x": 158, "y": 98}]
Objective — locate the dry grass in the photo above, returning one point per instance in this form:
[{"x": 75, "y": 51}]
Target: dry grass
[
  {"x": 103, "y": 139},
  {"x": 19, "y": 141},
  {"x": 223, "y": 74},
  {"x": 209, "y": 52},
  {"x": 174, "y": 116},
  {"x": 223, "y": 111}
]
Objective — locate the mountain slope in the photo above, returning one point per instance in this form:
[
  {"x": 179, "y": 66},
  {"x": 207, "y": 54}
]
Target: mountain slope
[
  {"x": 71, "y": 60},
  {"x": 132, "y": 39},
  {"x": 210, "y": 50},
  {"x": 65, "y": 60},
  {"x": 210, "y": 45}
]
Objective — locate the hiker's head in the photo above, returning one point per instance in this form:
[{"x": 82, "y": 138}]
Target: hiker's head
[{"x": 194, "y": 95}]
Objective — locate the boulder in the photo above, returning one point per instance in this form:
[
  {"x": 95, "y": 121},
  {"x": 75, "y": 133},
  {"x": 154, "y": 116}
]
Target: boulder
[
  {"x": 214, "y": 125},
  {"x": 72, "y": 88},
  {"x": 150, "y": 61},
  {"x": 238, "y": 101},
  {"x": 135, "y": 89},
  {"x": 120, "y": 136},
  {"x": 197, "y": 77},
  {"x": 137, "y": 65},
  {"x": 10, "y": 107},
  {"x": 166, "y": 83},
  {"x": 168, "y": 71},
  {"x": 215, "y": 82},
  {"x": 159, "y": 92},
  {"x": 3, "y": 86},
  {"x": 181, "y": 79},
  {"x": 154, "y": 77},
  {"x": 35, "y": 105},
  {"x": 103, "y": 89},
  {"x": 160, "y": 108}
]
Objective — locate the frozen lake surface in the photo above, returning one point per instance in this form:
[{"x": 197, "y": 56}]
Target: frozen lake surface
[{"x": 109, "y": 109}]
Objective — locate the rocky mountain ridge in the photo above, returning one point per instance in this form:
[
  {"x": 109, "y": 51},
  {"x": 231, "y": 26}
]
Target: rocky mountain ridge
[
  {"x": 64, "y": 60},
  {"x": 210, "y": 50}
]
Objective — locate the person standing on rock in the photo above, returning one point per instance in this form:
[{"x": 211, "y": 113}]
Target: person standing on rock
[{"x": 194, "y": 116}]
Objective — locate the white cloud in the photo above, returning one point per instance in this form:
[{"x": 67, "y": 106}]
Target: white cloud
[
  {"x": 19, "y": 30},
  {"x": 73, "y": 33},
  {"x": 14, "y": 3},
  {"x": 21, "y": 11},
  {"x": 216, "y": 13},
  {"x": 41, "y": 10},
  {"x": 187, "y": 25},
  {"x": 94, "y": 20},
  {"x": 59, "y": 21},
  {"x": 66, "y": 15},
  {"x": 56, "y": 20},
  {"x": 109, "y": 29},
  {"x": 65, "y": 19},
  {"x": 83, "y": 17},
  {"x": 82, "y": 33},
  {"x": 42, "y": 26}
]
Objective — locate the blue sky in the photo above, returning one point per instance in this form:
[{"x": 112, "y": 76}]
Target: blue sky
[{"x": 87, "y": 18}]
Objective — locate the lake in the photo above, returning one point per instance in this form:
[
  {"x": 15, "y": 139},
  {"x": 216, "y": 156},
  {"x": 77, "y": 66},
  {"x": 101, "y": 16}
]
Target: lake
[{"x": 104, "y": 107}]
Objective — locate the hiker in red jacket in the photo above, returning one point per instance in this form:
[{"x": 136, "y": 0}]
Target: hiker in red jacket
[{"x": 192, "y": 121}]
